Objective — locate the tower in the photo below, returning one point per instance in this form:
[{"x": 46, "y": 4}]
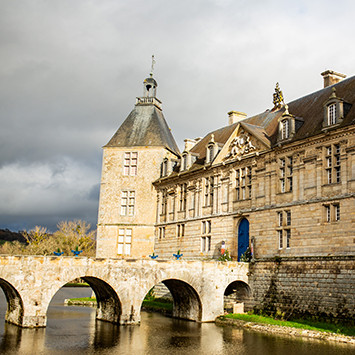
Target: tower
[{"x": 131, "y": 162}]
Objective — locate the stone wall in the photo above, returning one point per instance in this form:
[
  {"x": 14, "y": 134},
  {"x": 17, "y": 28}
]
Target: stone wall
[{"x": 321, "y": 287}]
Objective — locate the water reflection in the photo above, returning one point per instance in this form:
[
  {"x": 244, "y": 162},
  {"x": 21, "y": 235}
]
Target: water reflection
[{"x": 75, "y": 330}]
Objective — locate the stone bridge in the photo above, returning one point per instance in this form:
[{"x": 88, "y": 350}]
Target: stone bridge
[{"x": 197, "y": 287}]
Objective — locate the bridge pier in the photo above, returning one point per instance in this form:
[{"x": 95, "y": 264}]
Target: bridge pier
[{"x": 109, "y": 307}]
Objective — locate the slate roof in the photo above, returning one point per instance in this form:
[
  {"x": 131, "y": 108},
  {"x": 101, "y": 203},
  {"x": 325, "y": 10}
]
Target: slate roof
[
  {"x": 310, "y": 108},
  {"x": 144, "y": 126}
]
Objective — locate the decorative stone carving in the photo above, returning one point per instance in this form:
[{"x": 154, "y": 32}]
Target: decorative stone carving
[{"x": 241, "y": 145}]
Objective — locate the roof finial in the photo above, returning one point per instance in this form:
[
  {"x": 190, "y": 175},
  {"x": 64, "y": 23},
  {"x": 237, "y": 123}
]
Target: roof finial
[
  {"x": 278, "y": 97},
  {"x": 152, "y": 69}
]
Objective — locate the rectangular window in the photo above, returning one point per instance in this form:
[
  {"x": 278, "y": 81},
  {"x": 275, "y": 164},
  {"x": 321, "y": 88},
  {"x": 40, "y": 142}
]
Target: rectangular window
[
  {"x": 209, "y": 191},
  {"x": 332, "y": 213},
  {"x": 161, "y": 232},
  {"x": 288, "y": 238},
  {"x": 124, "y": 241},
  {"x": 205, "y": 244},
  {"x": 280, "y": 218},
  {"x": 192, "y": 200},
  {"x": 332, "y": 164},
  {"x": 206, "y": 227},
  {"x": 283, "y": 228},
  {"x": 280, "y": 239},
  {"x": 288, "y": 218},
  {"x": 336, "y": 212},
  {"x": 164, "y": 198},
  {"x": 206, "y": 238},
  {"x": 130, "y": 162},
  {"x": 243, "y": 183},
  {"x": 327, "y": 213},
  {"x": 286, "y": 174},
  {"x": 180, "y": 230},
  {"x": 127, "y": 203},
  {"x": 183, "y": 192}
]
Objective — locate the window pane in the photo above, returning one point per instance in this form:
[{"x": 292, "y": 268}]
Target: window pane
[
  {"x": 128, "y": 249},
  {"x": 120, "y": 249},
  {"x": 128, "y": 232}
]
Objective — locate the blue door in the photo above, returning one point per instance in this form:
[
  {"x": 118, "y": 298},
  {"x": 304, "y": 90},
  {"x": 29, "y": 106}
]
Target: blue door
[{"x": 243, "y": 237}]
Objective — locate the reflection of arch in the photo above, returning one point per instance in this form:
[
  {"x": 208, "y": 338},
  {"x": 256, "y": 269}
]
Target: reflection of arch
[
  {"x": 186, "y": 301},
  {"x": 243, "y": 237},
  {"x": 108, "y": 304},
  {"x": 14, "y": 313},
  {"x": 237, "y": 292}
]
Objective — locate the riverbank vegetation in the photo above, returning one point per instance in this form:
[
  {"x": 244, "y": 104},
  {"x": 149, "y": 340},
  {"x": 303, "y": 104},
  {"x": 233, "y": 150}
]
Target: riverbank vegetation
[
  {"x": 305, "y": 324},
  {"x": 71, "y": 235},
  {"x": 160, "y": 305}
]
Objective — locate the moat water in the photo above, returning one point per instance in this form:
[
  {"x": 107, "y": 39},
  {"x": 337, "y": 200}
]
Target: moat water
[{"x": 74, "y": 330}]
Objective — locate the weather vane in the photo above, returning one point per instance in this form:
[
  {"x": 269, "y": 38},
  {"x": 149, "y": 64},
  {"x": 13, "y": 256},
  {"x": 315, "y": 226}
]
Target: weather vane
[
  {"x": 278, "y": 96},
  {"x": 153, "y": 62}
]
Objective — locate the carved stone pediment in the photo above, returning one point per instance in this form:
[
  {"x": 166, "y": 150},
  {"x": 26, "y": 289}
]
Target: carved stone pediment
[{"x": 241, "y": 145}]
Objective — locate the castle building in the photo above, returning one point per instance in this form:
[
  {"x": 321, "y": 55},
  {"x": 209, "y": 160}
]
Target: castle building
[{"x": 281, "y": 183}]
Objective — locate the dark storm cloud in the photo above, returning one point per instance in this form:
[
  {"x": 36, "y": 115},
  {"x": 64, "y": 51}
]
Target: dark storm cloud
[{"x": 70, "y": 72}]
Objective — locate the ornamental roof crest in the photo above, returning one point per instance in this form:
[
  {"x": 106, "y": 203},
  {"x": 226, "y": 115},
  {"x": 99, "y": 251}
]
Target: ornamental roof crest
[{"x": 278, "y": 98}]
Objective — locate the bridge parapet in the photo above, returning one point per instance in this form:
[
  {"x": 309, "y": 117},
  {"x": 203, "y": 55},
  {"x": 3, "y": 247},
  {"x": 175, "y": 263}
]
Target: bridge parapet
[{"x": 120, "y": 285}]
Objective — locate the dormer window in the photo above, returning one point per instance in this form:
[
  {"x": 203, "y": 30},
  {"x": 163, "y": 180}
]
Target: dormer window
[
  {"x": 211, "y": 150},
  {"x": 288, "y": 125},
  {"x": 334, "y": 110},
  {"x": 184, "y": 162}
]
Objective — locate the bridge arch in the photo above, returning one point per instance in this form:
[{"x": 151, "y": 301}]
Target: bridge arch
[
  {"x": 237, "y": 292},
  {"x": 109, "y": 307},
  {"x": 186, "y": 300},
  {"x": 14, "y": 313}
]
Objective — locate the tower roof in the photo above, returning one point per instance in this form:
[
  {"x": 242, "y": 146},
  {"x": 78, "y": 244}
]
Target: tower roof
[{"x": 144, "y": 126}]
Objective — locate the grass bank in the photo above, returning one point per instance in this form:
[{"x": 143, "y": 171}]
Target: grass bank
[
  {"x": 160, "y": 305},
  {"x": 296, "y": 327},
  {"x": 297, "y": 323}
]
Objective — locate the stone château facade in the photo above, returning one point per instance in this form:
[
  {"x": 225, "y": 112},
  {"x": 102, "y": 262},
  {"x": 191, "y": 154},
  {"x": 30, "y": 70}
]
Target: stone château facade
[{"x": 281, "y": 182}]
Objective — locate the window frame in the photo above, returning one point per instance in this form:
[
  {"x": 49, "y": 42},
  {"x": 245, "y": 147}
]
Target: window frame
[
  {"x": 125, "y": 242},
  {"x": 130, "y": 163},
  {"x": 128, "y": 203}
]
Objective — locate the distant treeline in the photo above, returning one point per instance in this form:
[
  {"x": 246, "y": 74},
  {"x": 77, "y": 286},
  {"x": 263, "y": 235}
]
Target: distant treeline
[
  {"x": 8, "y": 236},
  {"x": 71, "y": 236}
]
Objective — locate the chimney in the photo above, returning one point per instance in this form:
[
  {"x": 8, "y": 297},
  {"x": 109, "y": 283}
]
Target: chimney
[
  {"x": 236, "y": 116},
  {"x": 189, "y": 143},
  {"x": 331, "y": 77}
]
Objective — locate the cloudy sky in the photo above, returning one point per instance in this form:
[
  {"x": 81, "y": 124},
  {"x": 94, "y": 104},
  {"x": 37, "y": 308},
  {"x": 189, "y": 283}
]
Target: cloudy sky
[{"x": 70, "y": 71}]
